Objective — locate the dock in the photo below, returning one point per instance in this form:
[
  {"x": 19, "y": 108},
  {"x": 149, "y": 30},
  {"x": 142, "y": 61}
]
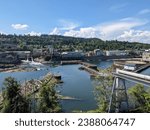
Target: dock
[
  {"x": 91, "y": 68},
  {"x": 94, "y": 72},
  {"x": 143, "y": 67},
  {"x": 88, "y": 65},
  {"x": 69, "y": 62}
]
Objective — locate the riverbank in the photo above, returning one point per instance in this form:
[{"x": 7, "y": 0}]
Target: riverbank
[{"x": 17, "y": 69}]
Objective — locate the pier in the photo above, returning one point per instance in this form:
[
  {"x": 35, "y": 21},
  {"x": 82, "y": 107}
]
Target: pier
[
  {"x": 143, "y": 67},
  {"x": 91, "y": 68},
  {"x": 69, "y": 62},
  {"x": 88, "y": 65},
  {"x": 94, "y": 72}
]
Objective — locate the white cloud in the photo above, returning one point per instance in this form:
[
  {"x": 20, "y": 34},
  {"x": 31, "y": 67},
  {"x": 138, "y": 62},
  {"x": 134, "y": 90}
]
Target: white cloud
[
  {"x": 68, "y": 25},
  {"x": 20, "y": 26},
  {"x": 117, "y": 27},
  {"x": 32, "y": 33},
  {"x": 89, "y": 32},
  {"x": 123, "y": 29},
  {"x": 64, "y": 25},
  {"x": 112, "y": 30},
  {"x": 135, "y": 35},
  {"x": 55, "y": 31},
  {"x": 144, "y": 11},
  {"x": 107, "y": 31}
]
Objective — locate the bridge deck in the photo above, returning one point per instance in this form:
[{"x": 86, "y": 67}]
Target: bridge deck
[{"x": 133, "y": 77}]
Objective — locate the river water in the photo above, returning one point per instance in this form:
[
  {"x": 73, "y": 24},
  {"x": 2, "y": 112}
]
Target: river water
[
  {"x": 146, "y": 72},
  {"x": 77, "y": 84}
]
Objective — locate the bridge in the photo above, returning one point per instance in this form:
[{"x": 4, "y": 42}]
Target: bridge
[{"x": 119, "y": 97}]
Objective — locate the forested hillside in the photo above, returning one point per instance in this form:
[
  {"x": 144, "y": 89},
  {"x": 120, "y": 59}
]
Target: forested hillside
[{"x": 71, "y": 43}]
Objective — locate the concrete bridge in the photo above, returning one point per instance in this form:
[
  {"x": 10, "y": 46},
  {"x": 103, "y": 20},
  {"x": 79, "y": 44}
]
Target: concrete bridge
[
  {"x": 119, "y": 97},
  {"x": 133, "y": 77}
]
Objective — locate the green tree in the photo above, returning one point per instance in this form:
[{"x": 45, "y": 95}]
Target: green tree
[
  {"x": 48, "y": 98},
  {"x": 13, "y": 101},
  {"x": 140, "y": 98},
  {"x": 103, "y": 92}
]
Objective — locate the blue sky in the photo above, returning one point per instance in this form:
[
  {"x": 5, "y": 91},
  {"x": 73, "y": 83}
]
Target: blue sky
[{"x": 127, "y": 20}]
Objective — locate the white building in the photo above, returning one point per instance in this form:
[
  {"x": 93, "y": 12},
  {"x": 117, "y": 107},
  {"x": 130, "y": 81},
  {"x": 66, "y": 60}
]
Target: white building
[
  {"x": 98, "y": 52},
  {"x": 116, "y": 53},
  {"x": 146, "y": 56}
]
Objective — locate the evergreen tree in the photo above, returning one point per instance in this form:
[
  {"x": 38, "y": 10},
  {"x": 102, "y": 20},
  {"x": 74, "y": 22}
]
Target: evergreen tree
[
  {"x": 48, "y": 101},
  {"x": 13, "y": 101}
]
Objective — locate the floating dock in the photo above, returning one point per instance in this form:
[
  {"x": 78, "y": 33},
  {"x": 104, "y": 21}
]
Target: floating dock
[
  {"x": 93, "y": 72},
  {"x": 88, "y": 65},
  {"x": 69, "y": 62},
  {"x": 91, "y": 68}
]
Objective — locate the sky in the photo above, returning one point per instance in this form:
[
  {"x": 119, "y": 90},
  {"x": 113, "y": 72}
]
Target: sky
[{"x": 124, "y": 20}]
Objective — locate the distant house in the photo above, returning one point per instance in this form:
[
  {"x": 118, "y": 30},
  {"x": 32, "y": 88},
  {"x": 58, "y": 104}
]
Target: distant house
[
  {"x": 98, "y": 52},
  {"x": 130, "y": 67},
  {"x": 146, "y": 56}
]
